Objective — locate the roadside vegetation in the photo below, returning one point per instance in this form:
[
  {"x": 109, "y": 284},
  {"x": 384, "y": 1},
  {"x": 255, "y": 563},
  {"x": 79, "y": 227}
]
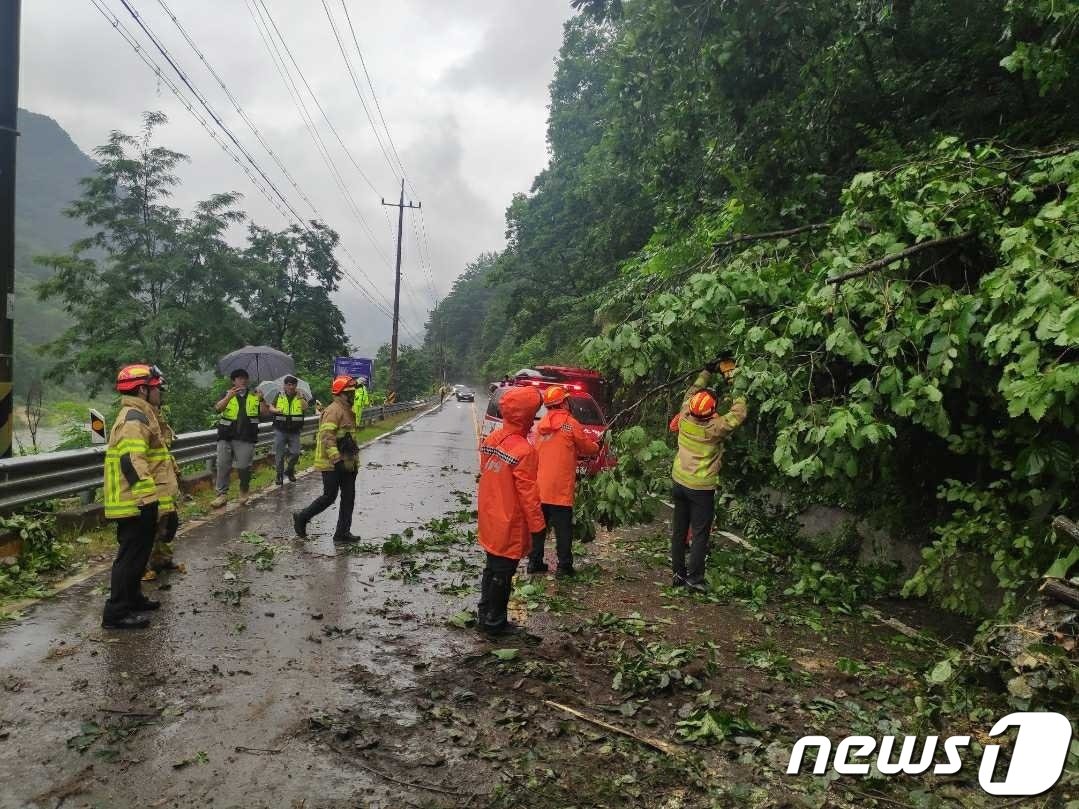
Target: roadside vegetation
[{"x": 873, "y": 208}]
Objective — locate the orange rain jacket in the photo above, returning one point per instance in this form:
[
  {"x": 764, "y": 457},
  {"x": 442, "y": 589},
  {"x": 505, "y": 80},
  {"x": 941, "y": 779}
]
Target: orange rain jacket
[
  {"x": 560, "y": 441},
  {"x": 509, "y": 503}
]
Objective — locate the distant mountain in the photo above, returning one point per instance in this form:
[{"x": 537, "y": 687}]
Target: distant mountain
[
  {"x": 48, "y": 169},
  {"x": 47, "y": 173}
]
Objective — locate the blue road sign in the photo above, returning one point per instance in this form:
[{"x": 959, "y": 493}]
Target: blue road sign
[{"x": 354, "y": 366}]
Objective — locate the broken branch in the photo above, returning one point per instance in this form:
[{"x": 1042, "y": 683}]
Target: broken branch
[
  {"x": 881, "y": 263},
  {"x": 403, "y": 783},
  {"x": 1059, "y": 591},
  {"x": 772, "y": 234},
  {"x": 1066, "y": 528},
  {"x": 656, "y": 744}
]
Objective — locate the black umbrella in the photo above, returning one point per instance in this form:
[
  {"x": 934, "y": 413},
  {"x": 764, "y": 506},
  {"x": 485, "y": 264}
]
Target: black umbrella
[{"x": 260, "y": 362}]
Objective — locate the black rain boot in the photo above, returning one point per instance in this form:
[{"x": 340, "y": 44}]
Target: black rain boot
[
  {"x": 496, "y": 620},
  {"x": 299, "y": 524},
  {"x": 485, "y": 599}
]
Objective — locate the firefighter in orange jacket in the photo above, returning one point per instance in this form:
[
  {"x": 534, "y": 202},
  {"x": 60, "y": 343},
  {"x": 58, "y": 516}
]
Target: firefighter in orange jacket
[
  {"x": 510, "y": 516},
  {"x": 560, "y": 442}
]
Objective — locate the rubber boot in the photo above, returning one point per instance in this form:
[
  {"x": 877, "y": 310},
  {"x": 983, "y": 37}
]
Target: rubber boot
[
  {"x": 485, "y": 599},
  {"x": 496, "y": 621}
]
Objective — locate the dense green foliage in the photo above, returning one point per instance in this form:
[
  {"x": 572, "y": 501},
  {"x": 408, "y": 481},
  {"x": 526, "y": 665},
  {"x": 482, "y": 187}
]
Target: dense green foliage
[
  {"x": 933, "y": 391},
  {"x": 151, "y": 283}
]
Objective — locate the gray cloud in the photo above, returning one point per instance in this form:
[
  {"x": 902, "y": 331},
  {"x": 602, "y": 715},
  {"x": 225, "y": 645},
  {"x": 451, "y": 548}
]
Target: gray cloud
[
  {"x": 514, "y": 58},
  {"x": 462, "y": 85}
]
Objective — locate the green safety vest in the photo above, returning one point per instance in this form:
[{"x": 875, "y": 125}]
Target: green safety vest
[
  {"x": 227, "y": 421},
  {"x": 290, "y": 419},
  {"x": 363, "y": 398}
]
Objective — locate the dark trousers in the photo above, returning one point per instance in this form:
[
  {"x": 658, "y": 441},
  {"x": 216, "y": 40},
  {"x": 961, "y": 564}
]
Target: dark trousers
[
  {"x": 694, "y": 510},
  {"x": 332, "y": 483},
  {"x": 560, "y": 518},
  {"x": 495, "y": 592},
  {"x": 136, "y": 537}
]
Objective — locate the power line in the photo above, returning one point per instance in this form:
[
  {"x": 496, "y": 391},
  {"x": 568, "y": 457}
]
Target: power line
[
  {"x": 133, "y": 42},
  {"x": 356, "y": 86},
  {"x": 269, "y": 41},
  {"x": 209, "y": 110},
  {"x": 205, "y": 104},
  {"x": 290, "y": 85},
  {"x": 308, "y": 120},
  {"x": 314, "y": 97},
  {"x": 374, "y": 96},
  {"x": 128, "y": 37},
  {"x": 236, "y": 105}
]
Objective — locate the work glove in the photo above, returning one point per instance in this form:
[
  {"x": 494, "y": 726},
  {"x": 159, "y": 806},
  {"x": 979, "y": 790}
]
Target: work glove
[
  {"x": 339, "y": 467},
  {"x": 728, "y": 368},
  {"x": 539, "y": 536}
]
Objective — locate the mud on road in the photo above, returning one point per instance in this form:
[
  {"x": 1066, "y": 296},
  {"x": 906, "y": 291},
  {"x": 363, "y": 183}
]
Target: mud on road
[{"x": 282, "y": 673}]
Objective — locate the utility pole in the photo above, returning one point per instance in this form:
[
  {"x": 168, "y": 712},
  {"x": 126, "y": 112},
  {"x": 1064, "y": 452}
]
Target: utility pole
[
  {"x": 9, "y": 134},
  {"x": 397, "y": 282}
]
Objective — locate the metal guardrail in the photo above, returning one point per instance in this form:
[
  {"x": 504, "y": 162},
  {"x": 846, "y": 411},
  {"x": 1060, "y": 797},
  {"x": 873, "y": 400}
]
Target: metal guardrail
[{"x": 70, "y": 472}]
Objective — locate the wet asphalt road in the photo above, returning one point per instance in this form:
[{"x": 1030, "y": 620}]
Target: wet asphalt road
[{"x": 210, "y": 676}]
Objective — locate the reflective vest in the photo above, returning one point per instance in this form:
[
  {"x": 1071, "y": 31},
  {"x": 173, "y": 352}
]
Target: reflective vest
[
  {"x": 226, "y": 423},
  {"x": 129, "y": 480},
  {"x": 290, "y": 417},
  {"x": 337, "y": 438},
  {"x": 362, "y": 400},
  {"x": 700, "y": 441}
]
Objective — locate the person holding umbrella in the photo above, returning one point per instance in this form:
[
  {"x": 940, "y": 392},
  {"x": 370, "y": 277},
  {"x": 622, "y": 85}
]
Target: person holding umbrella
[
  {"x": 287, "y": 411},
  {"x": 237, "y": 434},
  {"x": 337, "y": 457}
]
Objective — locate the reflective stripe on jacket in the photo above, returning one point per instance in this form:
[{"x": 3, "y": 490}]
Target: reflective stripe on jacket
[
  {"x": 508, "y": 497},
  {"x": 337, "y": 438},
  {"x": 700, "y": 441},
  {"x": 560, "y": 441},
  {"x": 290, "y": 417},
  {"x": 163, "y": 468},
  {"x": 129, "y": 481},
  {"x": 226, "y": 423}
]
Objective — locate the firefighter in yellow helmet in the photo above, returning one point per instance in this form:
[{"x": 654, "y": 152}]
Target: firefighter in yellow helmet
[
  {"x": 337, "y": 457},
  {"x": 701, "y": 433},
  {"x": 131, "y": 495}
]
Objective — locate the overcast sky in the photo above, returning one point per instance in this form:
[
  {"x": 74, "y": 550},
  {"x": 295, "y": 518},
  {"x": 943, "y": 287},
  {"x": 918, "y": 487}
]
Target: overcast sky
[{"x": 462, "y": 85}]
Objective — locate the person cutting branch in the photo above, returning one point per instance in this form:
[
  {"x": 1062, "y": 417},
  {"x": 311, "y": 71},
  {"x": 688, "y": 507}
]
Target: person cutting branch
[{"x": 695, "y": 472}]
